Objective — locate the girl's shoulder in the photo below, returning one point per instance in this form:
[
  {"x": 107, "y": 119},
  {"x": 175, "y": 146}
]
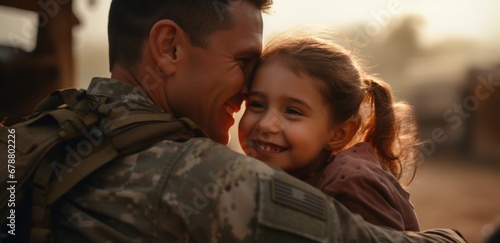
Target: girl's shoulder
[
  {"x": 358, "y": 157},
  {"x": 358, "y": 163}
]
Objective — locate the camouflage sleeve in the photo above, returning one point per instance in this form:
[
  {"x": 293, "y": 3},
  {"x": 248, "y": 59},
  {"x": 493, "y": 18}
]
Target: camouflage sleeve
[{"x": 216, "y": 195}]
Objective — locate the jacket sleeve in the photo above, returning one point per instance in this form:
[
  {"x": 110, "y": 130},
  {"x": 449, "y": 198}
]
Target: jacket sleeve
[
  {"x": 222, "y": 196},
  {"x": 367, "y": 197}
]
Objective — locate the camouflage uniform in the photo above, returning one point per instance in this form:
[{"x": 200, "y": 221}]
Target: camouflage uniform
[{"x": 201, "y": 191}]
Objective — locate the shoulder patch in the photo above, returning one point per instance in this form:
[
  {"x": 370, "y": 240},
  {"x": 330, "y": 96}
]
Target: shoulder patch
[{"x": 298, "y": 199}]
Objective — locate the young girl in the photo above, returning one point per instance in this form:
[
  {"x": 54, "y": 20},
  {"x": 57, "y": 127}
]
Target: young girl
[{"x": 312, "y": 112}]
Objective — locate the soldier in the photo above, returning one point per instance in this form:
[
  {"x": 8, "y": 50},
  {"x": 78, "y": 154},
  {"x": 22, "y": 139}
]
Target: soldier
[{"x": 192, "y": 59}]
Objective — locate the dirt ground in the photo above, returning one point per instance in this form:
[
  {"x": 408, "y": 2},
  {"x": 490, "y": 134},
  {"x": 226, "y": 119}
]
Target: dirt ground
[{"x": 457, "y": 195}]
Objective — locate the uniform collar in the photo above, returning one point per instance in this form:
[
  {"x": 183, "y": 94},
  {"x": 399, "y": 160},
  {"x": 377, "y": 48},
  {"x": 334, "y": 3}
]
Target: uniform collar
[{"x": 119, "y": 91}]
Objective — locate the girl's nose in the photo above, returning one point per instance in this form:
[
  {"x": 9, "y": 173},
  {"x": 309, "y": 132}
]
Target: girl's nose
[{"x": 270, "y": 122}]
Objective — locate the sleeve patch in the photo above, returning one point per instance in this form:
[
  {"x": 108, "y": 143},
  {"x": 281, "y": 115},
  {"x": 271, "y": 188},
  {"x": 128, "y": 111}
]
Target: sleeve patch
[{"x": 298, "y": 199}]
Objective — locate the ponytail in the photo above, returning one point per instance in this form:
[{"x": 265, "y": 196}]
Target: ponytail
[{"x": 390, "y": 128}]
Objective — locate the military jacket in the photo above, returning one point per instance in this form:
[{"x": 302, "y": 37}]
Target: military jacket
[{"x": 201, "y": 191}]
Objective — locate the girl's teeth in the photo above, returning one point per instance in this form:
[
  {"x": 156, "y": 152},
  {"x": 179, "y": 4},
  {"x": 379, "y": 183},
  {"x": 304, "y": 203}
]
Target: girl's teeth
[{"x": 267, "y": 148}]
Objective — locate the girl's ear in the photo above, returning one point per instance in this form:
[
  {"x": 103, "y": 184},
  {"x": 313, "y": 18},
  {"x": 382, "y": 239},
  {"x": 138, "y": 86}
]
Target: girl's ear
[
  {"x": 165, "y": 38},
  {"x": 342, "y": 134}
]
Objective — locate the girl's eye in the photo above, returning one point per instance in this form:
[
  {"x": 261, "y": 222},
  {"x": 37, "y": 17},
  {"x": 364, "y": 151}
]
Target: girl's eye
[
  {"x": 293, "y": 111},
  {"x": 255, "y": 105}
]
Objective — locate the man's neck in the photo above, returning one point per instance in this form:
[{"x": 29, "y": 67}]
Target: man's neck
[
  {"x": 146, "y": 79},
  {"x": 127, "y": 76}
]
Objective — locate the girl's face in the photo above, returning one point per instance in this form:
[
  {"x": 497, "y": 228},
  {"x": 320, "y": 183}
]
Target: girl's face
[{"x": 286, "y": 123}]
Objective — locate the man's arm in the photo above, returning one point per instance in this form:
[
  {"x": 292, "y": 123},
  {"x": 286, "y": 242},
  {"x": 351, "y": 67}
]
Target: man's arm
[
  {"x": 357, "y": 230},
  {"x": 224, "y": 196}
]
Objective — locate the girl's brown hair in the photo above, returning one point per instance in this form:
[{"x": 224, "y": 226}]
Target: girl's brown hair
[{"x": 389, "y": 126}]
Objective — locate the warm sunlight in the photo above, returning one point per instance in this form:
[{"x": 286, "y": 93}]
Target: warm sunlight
[{"x": 441, "y": 56}]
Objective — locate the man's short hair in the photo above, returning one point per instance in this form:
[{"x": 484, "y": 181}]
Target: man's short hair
[{"x": 130, "y": 22}]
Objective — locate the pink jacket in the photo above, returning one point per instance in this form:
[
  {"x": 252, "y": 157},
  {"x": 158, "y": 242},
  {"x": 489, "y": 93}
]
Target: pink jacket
[{"x": 362, "y": 184}]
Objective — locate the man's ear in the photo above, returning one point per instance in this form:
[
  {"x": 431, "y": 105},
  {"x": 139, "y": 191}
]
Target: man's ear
[
  {"x": 342, "y": 134},
  {"x": 164, "y": 40}
]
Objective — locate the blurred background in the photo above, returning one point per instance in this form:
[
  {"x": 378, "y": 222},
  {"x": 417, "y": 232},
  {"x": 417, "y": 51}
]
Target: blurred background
[{"x": 442, "y": 56}]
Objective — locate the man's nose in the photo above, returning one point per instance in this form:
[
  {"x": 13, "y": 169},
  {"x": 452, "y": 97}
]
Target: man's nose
[{"x": 270, "y": 122}]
